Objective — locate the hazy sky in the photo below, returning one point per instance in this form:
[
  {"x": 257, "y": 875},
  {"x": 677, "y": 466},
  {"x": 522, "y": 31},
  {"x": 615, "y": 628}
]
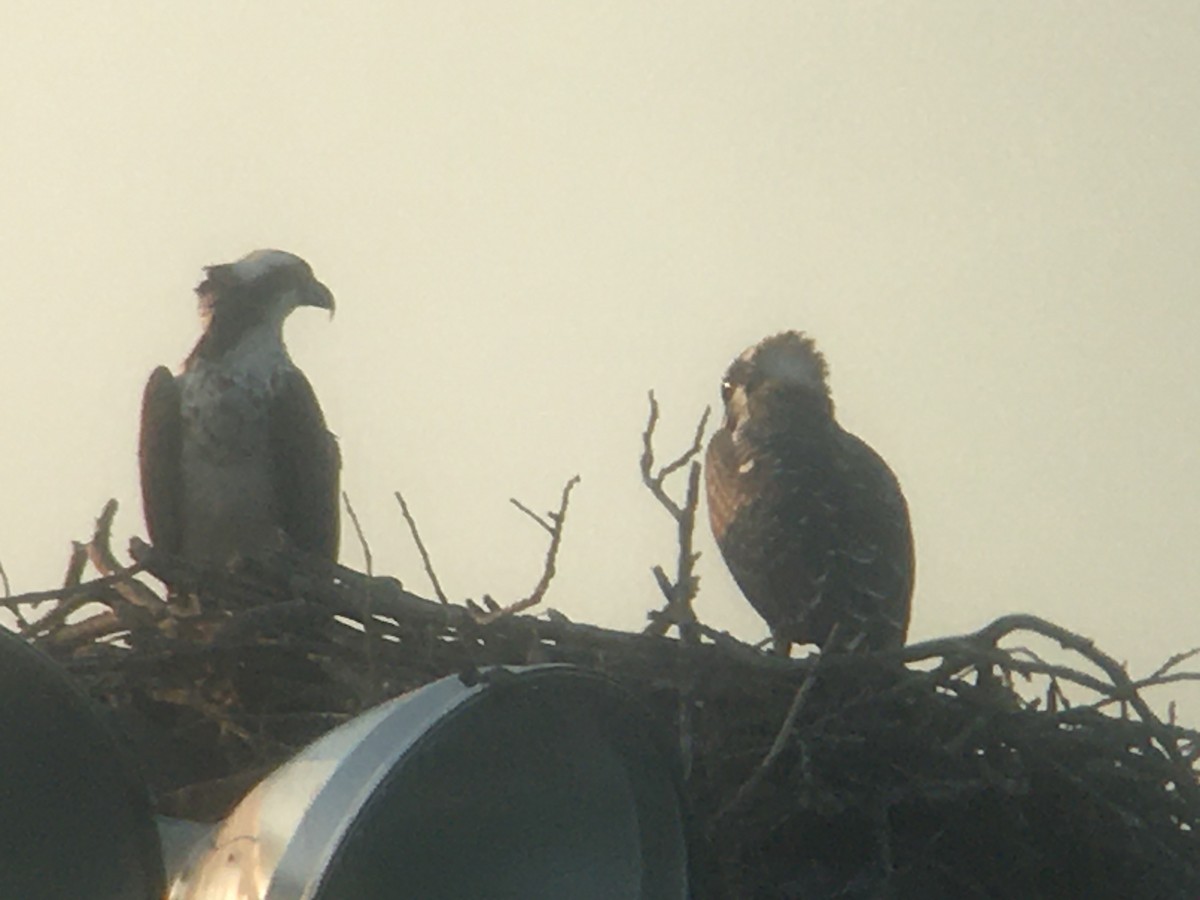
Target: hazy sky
[{"x": 530, "y": 213}]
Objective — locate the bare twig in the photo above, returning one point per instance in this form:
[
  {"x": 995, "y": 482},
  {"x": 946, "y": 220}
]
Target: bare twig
[
  {"x": 22, "y": 619},
  {"x": 1172, "y": 662},
  {"x": 99, "y": 553},
  {"x": 1173, "y": 678},
  {"x": 556, "y": 532},
  {"x": 777, "y": 746},
  {"x": 81, "y": 589},
  {"x": 76, "y": 563},
  {"x": 370, "y": 629},
  {"x": 54, "y": 619},
  {"x": 1141, "y": 684},
  {"x": 529, "y": 512},
  {"x": 99, "y": 548},
  {"x": 90, "y": 630},
  {"x": 425, "y": 560},
  {"x": 682, "y": 591},
  {"x": 117, "y": 584},
  {"x": 654, "y": 480},
  {"x": 362, "y": 538}
]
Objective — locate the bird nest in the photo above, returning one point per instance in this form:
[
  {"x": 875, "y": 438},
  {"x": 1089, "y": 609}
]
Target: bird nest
[
  {"x": 926, "y": 772},
  {"x": 961, "y": 767}
]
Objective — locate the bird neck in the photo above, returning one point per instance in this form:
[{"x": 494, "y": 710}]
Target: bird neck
[
  {"x": 238, "y": 333},
  {"x": 808, "y": 405}
]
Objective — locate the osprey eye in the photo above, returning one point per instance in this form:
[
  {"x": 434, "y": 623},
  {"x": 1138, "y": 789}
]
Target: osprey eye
[{"x": 726, "y": 391}]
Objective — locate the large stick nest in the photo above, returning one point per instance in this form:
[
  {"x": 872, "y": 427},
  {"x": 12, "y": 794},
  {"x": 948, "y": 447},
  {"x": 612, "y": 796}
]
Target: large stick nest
[
  {"x": 961, "y": 767},
  {"x": 921, "y": 773}
]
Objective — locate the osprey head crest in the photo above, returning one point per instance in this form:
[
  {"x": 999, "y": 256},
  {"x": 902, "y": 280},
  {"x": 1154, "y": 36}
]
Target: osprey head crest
[
  {"x": 787, "y": 363},
  {"x": 273, "y": 282}
]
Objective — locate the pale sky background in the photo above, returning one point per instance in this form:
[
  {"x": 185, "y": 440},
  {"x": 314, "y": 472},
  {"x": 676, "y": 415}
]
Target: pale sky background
[{"x": 530, "y": 213}]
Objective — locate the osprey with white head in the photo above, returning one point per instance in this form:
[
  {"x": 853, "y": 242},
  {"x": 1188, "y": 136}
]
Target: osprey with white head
[{"x": 235, "y": 457}]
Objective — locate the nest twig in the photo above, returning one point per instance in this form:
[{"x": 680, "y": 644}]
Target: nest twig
[
  {"x": 425, "y": 560},
  {"x": 553, "y": 523},
  {"x": 680, "y": 591}
]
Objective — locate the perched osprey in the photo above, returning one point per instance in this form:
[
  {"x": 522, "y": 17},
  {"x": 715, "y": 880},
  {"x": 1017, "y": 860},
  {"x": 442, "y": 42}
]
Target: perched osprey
[
  {"x": 235, "y": 457},
  {"x": 810, "y": 520}
]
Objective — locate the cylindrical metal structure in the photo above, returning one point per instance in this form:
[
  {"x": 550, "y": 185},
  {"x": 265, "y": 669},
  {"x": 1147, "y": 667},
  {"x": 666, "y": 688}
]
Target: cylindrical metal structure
[{"x": 526, "y": 783}]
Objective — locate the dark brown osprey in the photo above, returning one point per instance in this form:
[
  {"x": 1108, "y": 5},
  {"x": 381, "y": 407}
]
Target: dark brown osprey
[
  {"x": 810, "y": 520},
  {"x": 235, "y": 457}
]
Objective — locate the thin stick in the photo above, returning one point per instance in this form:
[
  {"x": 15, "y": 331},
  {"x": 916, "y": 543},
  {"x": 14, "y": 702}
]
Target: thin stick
[
  {"x": 53, "y": 620},
  {"x": 99, "y": 553},
  {"x": 777, "y": 746},
  {"x": 682, "y": 591},
  {"x": 556, "y": 532},
  {"x": 362, "y": 538},
  {"x": 655, "y": 481},
  {"x": 1173, "y": 662},
  {"x": 76, "y": 563},
  {"x": 22, "y": 619},
  {"x": 370, "y": 627},
  {"x": 77, "y": 590},
  {"x": 529, "y": 512},
  {"x": 425, "y": 560}
]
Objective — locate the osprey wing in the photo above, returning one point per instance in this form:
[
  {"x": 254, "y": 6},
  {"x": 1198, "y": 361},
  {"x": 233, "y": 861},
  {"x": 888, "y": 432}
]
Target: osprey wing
[
  {"x": 874, "y": 543},
  {"x": 746, "y": 517},
  {"x": 160, "y": 462},
  {"x": 725, "y": 493},
  {"x": 305, "y": 467}
]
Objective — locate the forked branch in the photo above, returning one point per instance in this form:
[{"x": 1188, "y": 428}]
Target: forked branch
[
  {"x": 680, "y": 591},
  {"x": 553, "y": 522}
]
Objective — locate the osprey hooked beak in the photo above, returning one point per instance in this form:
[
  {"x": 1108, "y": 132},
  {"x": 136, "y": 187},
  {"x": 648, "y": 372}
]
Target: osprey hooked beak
[{"x": 319, "y": 296}]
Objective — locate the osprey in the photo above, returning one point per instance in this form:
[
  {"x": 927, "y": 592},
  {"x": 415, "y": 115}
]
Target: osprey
[
  {"x": 811, "y": 522},
  {"x": 234, "y": 455}
]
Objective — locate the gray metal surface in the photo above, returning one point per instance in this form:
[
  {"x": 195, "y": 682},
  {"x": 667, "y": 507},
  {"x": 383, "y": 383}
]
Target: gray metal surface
[{"x": 539, "y": 782}]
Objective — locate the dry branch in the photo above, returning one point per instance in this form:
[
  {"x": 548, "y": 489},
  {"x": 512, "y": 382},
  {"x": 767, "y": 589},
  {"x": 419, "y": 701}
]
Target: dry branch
[
  {"x": 681, "y": 591},
  {"x": 71, "y": 591},
  {"x": 370, "y": 626},
  {"x": 362, "y": 538},
  {"x": 554, "y": 524},
  {"x": 100, "y": 555},
  {"x": 782, "y": 737},
  {"x": 425, "y": 560}
]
